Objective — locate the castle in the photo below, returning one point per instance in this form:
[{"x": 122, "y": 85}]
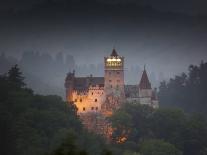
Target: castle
[{"x": 98, "y": 97}]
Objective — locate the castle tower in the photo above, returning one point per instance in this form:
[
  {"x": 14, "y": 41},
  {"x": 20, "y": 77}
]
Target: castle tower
[
  {"x": 69, "y": 85},
  {"x": 114, "y": 79}
]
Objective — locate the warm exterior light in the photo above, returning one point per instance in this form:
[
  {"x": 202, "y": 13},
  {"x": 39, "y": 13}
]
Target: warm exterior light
[{"x": 114, "y": 59}]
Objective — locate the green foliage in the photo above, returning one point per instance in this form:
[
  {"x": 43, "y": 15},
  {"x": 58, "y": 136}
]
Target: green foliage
[
  {"x": 31, "y": 124},
  {"x": 35, "y": 124},
  {"x": 187, "y": 91},
  {"x": 186, "y": 133},
  {"x": 133, "y": 118},
  {"x": 15, "y": 77},
  {"x": 82, "y": 143},
  {"x": 158, "y": 147}
]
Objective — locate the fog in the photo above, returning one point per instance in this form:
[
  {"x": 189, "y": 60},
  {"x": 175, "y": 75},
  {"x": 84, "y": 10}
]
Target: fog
[{"x": 166, "y": 41}]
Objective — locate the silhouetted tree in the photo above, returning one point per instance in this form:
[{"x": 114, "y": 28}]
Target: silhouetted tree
[{"x": 15, "y": 77}]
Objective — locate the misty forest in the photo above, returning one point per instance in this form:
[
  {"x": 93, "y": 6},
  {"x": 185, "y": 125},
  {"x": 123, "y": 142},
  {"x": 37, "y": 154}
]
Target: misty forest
[{"x": 103, "y": 77}]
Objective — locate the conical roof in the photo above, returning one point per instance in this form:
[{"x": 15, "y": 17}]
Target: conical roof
[
  {"x": 114, "y": 53},
  {"x": 144, "y": 82}
]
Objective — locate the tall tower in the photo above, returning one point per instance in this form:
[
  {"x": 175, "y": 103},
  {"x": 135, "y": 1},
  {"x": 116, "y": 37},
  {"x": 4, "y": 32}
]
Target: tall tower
[{"x": 114, "y": 79}]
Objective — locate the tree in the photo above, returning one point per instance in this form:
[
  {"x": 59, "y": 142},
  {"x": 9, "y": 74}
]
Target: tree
[
  {"x": 15, "y": 77},
  {"x": 158, "y": 147},
  {"x": 131, "y": 120},
  {"x": 187, "y": 91},
  {"x": 169, "y": 125}
]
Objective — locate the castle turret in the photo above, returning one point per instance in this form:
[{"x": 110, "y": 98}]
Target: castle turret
[
  {"x": 69, "y": 85},
  {"x": 145, "y": 89}
]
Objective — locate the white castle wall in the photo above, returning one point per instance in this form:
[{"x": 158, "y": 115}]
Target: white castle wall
[{"x": 89, "y": 101}]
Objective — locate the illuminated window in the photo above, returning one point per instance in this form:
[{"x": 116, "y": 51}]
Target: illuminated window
[
  {"x": 84, "y": 108},
  {"x": 95, "y": 100},
  {"x": 92, "y": 108}
]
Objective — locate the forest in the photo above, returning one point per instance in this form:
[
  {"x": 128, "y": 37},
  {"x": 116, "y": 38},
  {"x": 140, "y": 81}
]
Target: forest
[{"x": 33, "y": 124}]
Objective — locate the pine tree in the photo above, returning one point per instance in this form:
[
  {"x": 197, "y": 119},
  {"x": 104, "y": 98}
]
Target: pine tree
[{"x": 15, "y": 77}]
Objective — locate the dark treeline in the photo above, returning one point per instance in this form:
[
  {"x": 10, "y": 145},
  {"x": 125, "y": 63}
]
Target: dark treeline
[
  {"x": 45, "y": 74},
  {"x": 45, "y": 125},
  {"x": 159, "y": 131},
  {"x": 34, "y": 124},
  {"x": 186, "y": 91}
]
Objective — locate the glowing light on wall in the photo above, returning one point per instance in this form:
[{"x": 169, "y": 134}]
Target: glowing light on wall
[{"x": 114, "y": 59}]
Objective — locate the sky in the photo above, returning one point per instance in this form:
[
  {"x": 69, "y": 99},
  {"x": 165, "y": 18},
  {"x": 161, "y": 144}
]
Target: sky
[{"x": 166, "y": 35}]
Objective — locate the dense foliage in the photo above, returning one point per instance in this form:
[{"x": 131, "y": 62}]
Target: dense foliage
[
  {"x": 34, "y": 124},
  {"x": 187, "y": 91},
  {"x": 150, "y": 131}
]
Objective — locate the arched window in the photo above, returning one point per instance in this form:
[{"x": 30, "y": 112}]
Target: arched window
[
  {"x": 96, "y": 100},
  {"x": 84, "y": 108},
  {"x": 92, "y": 108}
]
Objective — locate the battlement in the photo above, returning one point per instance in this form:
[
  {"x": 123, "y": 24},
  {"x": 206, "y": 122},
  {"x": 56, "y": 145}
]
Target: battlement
[{"x": 97, "y": 97}]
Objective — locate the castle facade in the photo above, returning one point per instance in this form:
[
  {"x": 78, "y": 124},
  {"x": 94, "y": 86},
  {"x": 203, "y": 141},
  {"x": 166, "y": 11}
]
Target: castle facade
[{"x": 100, "y": 96}]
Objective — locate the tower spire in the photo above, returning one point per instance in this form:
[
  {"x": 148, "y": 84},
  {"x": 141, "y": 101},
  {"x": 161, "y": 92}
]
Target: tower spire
[
  {"x": 144, "y": 82},
  {"x": 114, "y": 53}
]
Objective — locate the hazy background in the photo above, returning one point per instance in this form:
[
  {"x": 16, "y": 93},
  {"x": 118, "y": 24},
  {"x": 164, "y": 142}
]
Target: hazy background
[{"x": 50, "y": 37}]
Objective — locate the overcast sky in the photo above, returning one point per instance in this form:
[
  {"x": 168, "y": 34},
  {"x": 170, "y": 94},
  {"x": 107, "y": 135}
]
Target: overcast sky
[
  {"x": 188, "y": 6},
  {"x": 167, "y": 35}
]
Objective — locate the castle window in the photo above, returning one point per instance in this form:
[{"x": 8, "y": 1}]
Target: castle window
[
  {"x": 84, "y": 108},
  {"x": 92, "y": 108},
  {"x": 96, "y": 108},
  {"x": 95, "y": 100},
  {"x": 80, "y": 100},
  {"x": 75, "y": 100}
]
